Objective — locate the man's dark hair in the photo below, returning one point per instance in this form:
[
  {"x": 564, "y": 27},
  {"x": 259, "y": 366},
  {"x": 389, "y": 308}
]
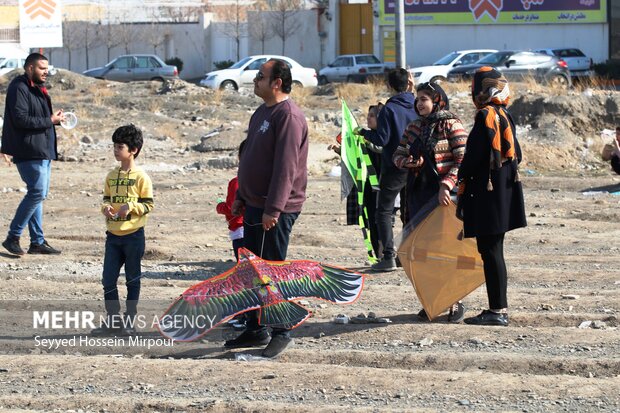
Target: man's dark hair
[
  {"x": 33, "y": 58},
  {"x": 281, "y": 70},
  {"x": 130, "y": 136},
  {"x": 398, "y": 79}
]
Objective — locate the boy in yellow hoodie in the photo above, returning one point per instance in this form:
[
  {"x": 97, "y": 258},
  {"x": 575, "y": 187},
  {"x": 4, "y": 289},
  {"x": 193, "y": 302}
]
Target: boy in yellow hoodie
[{"x": 127, "y": 200}]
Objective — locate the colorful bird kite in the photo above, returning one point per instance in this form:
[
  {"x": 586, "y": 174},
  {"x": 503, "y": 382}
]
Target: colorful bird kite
[{"x": 257, "y": 284}]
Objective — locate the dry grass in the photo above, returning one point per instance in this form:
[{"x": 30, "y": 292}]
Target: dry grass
[
  {"x": 101, "y": 95},
  {"x": 301, "y": 95}
]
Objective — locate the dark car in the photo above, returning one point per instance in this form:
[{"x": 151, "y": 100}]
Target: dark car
[
  {"x": 517, "y": 65},
  {"x": 128, "y": 68}
]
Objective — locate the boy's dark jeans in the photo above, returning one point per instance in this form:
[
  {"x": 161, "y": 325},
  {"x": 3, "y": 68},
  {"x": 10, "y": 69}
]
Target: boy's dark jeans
[
  {"x": 119, "y": 250},
  {"x": 392, "y": 181},
  {"x": 273, "y": 248}
]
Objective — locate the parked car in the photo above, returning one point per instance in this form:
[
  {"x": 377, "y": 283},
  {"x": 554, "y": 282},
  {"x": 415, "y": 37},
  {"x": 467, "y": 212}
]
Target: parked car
[
  {"x": 11, "y": 63},
  {"x": 128, "y": 68},
  {"x": 517, "y": 65},
  {"x": 439, "y": 70},
  {"x": 242, "y": 73},
  {"x": 578, "y": 63},
  {"x": 353, "y": 68}
]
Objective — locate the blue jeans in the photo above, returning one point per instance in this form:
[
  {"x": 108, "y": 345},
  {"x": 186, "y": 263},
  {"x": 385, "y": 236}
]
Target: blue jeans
[
  {"x": 119, "y": 250},
  {"x": 272, "y": 247},
  {"x": 36, "y": 176}
]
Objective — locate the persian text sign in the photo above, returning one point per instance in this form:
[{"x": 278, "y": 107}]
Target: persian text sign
[
  {"x": 40, "y": 23},
  {"x": 496, "y": 11}
]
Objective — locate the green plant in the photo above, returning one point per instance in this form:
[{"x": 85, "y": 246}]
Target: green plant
[
  {"x": 175, "y": 61},
  {"x": 223, "y": 64},
  {"x": 609, "y": 69}
]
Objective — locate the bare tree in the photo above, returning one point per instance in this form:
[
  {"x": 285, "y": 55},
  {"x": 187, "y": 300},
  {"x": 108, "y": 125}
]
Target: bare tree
[
  {"x": 183, "y": 14},
  {"x": 72, "y": 38},
  {"x": 234, "y": 25},
  {"x": 126, "y": 34},
  {"x": 90, "y": 39},
  {"x": 260, "y": 29},
  {"x": 283, "y": 17},
  {"x": 154, "y": 34}
]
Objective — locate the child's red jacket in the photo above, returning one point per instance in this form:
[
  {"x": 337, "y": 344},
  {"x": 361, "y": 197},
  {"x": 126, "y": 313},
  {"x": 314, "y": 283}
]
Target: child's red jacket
[{"x": 224, "y": 208}]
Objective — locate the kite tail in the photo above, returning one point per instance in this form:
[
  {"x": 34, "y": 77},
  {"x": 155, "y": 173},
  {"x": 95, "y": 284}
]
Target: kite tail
[{"x": 283, "y": 315}]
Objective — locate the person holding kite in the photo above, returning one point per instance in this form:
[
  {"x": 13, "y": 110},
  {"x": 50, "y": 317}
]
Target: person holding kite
[
  {"x": 432, "y": 149},
  {"x": 490, "y": 201},
  {"x": 397, "y": 113}
]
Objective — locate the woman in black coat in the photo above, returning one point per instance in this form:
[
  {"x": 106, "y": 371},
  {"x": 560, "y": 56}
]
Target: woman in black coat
[{"x": 490, "y": 193}]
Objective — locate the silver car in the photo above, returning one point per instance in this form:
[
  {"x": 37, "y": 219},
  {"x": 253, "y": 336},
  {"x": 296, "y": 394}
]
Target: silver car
[
  {"x": 352, "y": 68},
  {"x": 128, "y": 68}
]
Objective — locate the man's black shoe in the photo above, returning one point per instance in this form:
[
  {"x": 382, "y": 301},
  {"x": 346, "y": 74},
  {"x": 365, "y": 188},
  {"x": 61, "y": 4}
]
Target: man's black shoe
[
  {"x": 44, "y": 248},
  {"x": 277, "y": 345},
  {"x": 249, "y": 338},
  {"x": 12, "y": 245},
  {"x": 129, "y": 331},
  {"x": 387, "y": 264},
  {"x": 488, "y": 318},
  {"x": 106, "y": 331}
]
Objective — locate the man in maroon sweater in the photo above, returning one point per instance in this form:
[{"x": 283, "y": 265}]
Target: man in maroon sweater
[{"x": 272, "y": 185}]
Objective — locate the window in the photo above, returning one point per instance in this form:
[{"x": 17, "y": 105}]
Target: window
[
  {"x": 124, "y": 63},
  {"x": 470, "y": 58},
  {"x": 568, "y": 53},
  {"x": 255, "y": 65},
  {"x": 142, "y": 62},
  {"x": 343, "y": 62},
  {"x": 367, "y": 60}
]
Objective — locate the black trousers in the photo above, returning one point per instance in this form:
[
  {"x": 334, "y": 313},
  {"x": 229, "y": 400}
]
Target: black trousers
[
  {"x": 270, "y": 245},
  {"x": 392, "y": 181},
  {"x": 491, "y": 248}
]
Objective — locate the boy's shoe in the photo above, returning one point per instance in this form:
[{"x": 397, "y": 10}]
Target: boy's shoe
[
  {"x": 106, "y": 331},
  {"x": 456, "y": 313},
  {"x": 249, "y": 338},
  {"x": 12, "y": 245},
  {"x": 488, "y": 318},
  {"x": 422, "y": 314},
  {"x": 385, "y": 265},
  {"x": 277, "y": 345},
  {"x": 44, "y": 248}
]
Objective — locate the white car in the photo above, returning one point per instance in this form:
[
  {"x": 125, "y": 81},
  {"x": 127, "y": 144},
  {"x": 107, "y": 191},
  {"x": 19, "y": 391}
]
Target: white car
[
  {"x": 438, "y": 72},
  {"x": 11, "y": 63},
  {"x": 242, "y": 73},
  {"x": 578, "y": 63}
]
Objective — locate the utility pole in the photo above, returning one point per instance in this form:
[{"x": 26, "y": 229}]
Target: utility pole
[{"x": 401, "y": 56}]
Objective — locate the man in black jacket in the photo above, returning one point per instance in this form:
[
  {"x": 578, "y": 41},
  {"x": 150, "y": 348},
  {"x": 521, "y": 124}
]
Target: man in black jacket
[{"x": 28, "y": 135}]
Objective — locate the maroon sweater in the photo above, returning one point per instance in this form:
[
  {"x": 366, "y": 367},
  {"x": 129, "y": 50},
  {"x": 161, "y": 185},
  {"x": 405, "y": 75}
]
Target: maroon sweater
[{"x": 273, "y": 169}]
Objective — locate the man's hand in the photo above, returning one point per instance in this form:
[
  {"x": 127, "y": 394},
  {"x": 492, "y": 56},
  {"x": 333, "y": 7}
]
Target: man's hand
[
  {"x": 58, "y": 117},
  {"x": 444, "y": 195},
  {"x": 269, "y": 222},
  {"x": 109, "y": 212},
  {"x": 237, "y": 208}
]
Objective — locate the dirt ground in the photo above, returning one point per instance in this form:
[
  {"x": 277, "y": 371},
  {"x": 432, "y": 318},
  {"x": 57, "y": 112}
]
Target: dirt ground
[{"x": 561, "y": 351}]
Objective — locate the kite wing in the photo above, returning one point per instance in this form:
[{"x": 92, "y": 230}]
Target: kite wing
[
  {"x": 442, "y": 268},
  {"x": 212, "y": 302}
]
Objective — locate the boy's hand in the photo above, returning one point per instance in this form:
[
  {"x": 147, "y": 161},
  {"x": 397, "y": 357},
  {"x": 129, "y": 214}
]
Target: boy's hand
[
  {"x": 123, "y": 211},
  {"x": 109, "y": 212},
  {"x": 58, "y": 117},
  {"x": 238, "y": 207}
]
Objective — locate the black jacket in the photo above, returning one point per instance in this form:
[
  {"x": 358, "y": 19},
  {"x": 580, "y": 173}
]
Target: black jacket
[
  {"x": 489, "y": 212},
  {"x": 28, "y": 132}
]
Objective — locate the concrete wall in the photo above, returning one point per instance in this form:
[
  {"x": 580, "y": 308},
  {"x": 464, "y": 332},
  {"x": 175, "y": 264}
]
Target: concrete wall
[
  {"x": 426, "y": 44},
  {"x": 187, "y": 41}
]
